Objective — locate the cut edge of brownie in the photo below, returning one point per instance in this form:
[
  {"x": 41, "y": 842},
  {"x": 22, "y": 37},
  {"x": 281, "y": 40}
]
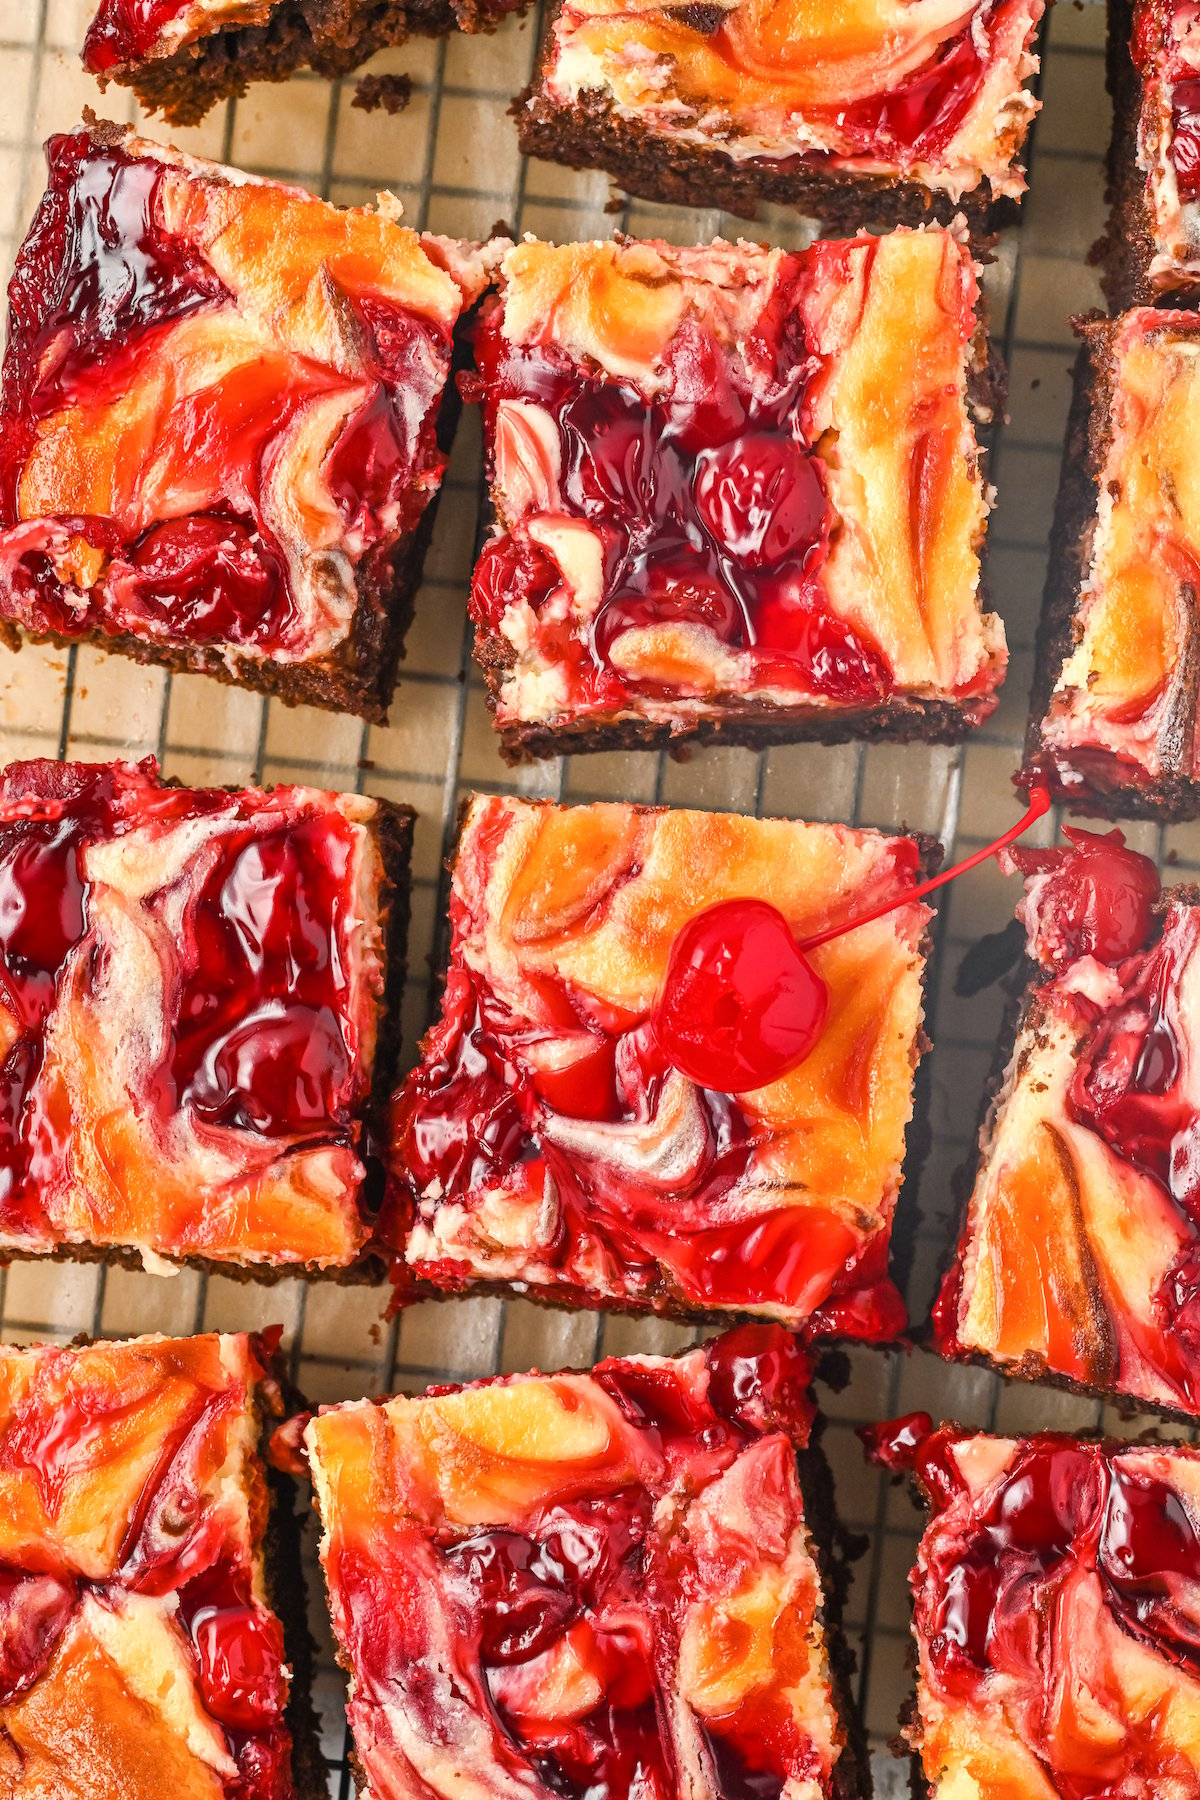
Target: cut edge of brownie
[
  {"x": 1127, "y": 246},
  {"x": 590, "y": 134},
  {"x": 1103, "y": 792},
  {"x": 396, "y": 824},
  {"x": 287, "y": 1591},
  {"x": 1023, "y": 986},
  {"x": 918, "y": 1139},
  {"x": 185, "y": 84}
]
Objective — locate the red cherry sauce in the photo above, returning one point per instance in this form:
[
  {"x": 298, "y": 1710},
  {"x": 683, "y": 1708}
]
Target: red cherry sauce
[
  {"x": 595, "y": 1571},
  {"x": 53, "y": 811},
  {"x": 99, "y": 282},
  {"x": 124, "y": 31},
  {"x": 1095, "y": 899},
  {"x": 988, "y": 1603},
  {"x": 174, "y": 1545},
  {"x": 709, "y": 502},
  {"x": 739, "y": 1006},
  {"x": 262, "y": 1040}
]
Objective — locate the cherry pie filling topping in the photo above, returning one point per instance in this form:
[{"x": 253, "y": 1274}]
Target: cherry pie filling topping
[
  {"x": 568, "y": 1614},
  {"x": 1065, "y": 1530},
  {"x": 176, "y": 1545},
  {"x": 1163, "y": 49},
  {"x": 211, "y": 568},
  {"x": 262, "y": 1039},
  {"x": 709, "y": 501},
  {"x": 1100, "y": 901}
]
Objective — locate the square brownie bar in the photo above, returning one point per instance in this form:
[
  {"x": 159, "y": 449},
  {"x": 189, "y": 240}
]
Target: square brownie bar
[
  {"x": 1056, "y": 1620},
  {"x": 141, "y": 1653},
  {"x": 1113, "y": 722},
  {"x": 737, "y": 494},
  {"x": 198, "y": 1001},
  {"x": 610, "y": 1110},
  {"x": 223, "y": 421},
  {"x": 600, "y": 1583},
  {"x": 1153, "y": 242},
  {"x": 1079, "y": 1256},
  {"x": 182, "y": 56},
  {"x": 881, "y": 110}
]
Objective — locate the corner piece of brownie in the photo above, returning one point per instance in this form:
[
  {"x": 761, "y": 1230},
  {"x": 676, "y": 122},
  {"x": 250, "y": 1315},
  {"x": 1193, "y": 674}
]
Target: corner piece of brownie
[
  {"x": 1079, "y": 1256},
  {"x": 140, "y": 1655},
  {"x": 619, "y": 1569},
  {"x": 1056, "y": 1617},
  {"x": 620, "y": 1105},
  {"x": 1113, "y": 722},
  {"x": 737, "y": 494},
  {"x": 183, "y": 56},
  {"x": 1152, "y": 246},
  {"x": 194, "y": 990},
  {"x": 222, "y": 426},
  {"x": 886, "y": 111}
]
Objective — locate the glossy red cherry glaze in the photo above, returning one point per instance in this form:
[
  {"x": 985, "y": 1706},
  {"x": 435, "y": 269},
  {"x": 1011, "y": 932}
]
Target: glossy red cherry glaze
[
  {"x": 567, "y": 1613},
  {"x": 261, "y": 1026},
  {"x": 100, "y": 283},
  {"x": 916, "y": 120},
  {"x": 68, "y": 1431},
  {"x": 1095, "y": 899},
  {"x": 127, "y": 30},
  {"x": 1160, "y": 28},
  {"x": 740, "y": 1004},
  {"x": 1030, "y": 1574},
  {"x": 709, "y": 502}
]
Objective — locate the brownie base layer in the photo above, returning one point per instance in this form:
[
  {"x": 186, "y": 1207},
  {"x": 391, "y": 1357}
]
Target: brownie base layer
[
  {"x": 591, "y": 135},
  {"x": 1090, "y": 781},
  {"x": 1127, "y": 246},
  {"x": 287, "y": 1596},
  {"x": 836, "y": 1549},
  {"x": 753, "y": 727},
  {"x": 331, "y": 37}
]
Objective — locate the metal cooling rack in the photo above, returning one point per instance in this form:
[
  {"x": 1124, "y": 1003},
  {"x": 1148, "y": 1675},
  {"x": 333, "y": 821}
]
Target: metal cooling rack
[{"x": 452, "y": 159}]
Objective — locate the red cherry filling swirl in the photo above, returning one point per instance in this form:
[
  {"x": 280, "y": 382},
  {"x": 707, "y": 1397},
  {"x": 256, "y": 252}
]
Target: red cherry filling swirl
[
  {"x": 173, "y": 1545},
  {"x": 588, "y": 1577},
  {"x": 98, "y": 282},
  {"x": 262, "y": 1036},
  {"x": 991, "y": 1589},
  {"x": 708, "y": 501},
  {"x": 1158, "y": 27}
]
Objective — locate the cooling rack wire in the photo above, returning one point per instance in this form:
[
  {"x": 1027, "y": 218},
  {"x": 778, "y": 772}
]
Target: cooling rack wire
[{"x": 451, "y": 157}]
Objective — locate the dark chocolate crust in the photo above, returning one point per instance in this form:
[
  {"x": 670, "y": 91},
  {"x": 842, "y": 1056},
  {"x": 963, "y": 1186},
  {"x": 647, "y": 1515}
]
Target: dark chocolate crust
[
  {"x": 591, "y": 135},
  {"x": 331, "y": 37},
  {"x": 1103, "y": 787},
  {"x": 1127, "y": 247},
  {"x": 1023, "y": 987},
  {"x": 394, "y": 834}
]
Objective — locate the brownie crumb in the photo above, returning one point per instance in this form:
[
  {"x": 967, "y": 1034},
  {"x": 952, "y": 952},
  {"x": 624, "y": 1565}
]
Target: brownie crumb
[{"x": 391, "y": 92}]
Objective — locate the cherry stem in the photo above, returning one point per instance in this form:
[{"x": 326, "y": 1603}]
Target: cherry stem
[{"x": 1039, "y": 805}]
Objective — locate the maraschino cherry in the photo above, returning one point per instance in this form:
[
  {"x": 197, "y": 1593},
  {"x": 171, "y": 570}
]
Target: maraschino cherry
[{"x": 742, "y": 1006}]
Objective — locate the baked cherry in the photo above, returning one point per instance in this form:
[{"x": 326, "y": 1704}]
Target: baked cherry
[
  {"x": 741, "y": 1005},
  {"x": 240, "y": 1652},
  {"x": 1096, "y": 899},
  {"x": 1185, "y": 137},
  {"x": 34, "y": 1613},
  {"x": 761, "y": 497},
  {"x": 207, "y": 577},
  {"x": 510, "y": 570}
]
